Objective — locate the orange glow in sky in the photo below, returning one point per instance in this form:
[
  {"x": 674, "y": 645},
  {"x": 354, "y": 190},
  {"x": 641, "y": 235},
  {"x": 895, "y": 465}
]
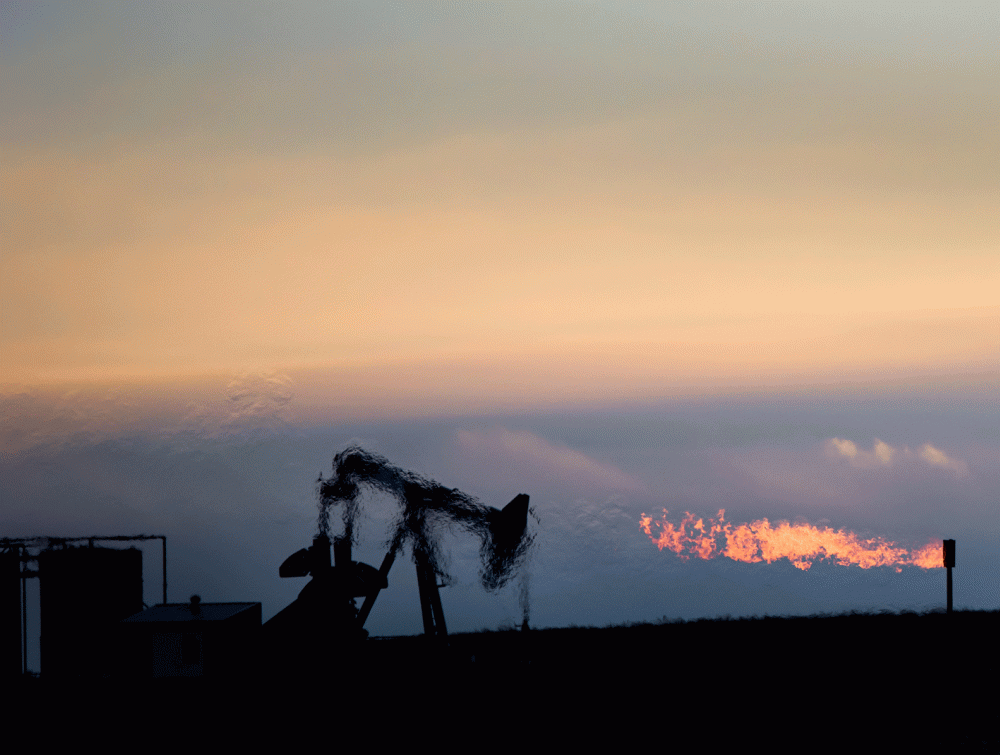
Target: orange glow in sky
[{"x": 537, "y": 194}]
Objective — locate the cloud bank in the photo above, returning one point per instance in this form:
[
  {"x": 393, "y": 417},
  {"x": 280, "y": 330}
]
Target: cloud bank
[
  {"x": 531, "y": 457},
  {"x": 884, "y": 455}
]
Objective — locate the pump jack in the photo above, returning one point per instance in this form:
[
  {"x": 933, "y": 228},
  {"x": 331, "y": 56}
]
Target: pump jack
[{"x": 326, "y": 603}]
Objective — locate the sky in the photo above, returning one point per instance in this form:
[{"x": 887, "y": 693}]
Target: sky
[{"x": 620, "y": 256}]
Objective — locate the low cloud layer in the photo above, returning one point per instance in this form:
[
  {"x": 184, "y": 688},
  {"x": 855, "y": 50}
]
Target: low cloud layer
[
  {"x": 884, "y": 455},
  {"x": 235, "y": 500},
  {"x": 531, "y": 457},
  {"x": 93, "y": 412},
  {"x": 259, "y": 395}
]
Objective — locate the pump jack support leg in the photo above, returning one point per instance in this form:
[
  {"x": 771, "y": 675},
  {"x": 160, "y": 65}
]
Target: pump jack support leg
[
  {"x": 383, "y": 572},
  {"x": 430, "y": 600}
]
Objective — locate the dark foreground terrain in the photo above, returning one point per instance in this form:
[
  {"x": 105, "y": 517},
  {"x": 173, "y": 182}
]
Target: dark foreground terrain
[{"x": 868, "y": 682}]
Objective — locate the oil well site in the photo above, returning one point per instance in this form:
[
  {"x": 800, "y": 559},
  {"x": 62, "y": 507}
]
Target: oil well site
[{"x": 97, "y": 632}]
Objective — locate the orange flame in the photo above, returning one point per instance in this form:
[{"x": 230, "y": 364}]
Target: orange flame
[{"x": 802, "y": 544}]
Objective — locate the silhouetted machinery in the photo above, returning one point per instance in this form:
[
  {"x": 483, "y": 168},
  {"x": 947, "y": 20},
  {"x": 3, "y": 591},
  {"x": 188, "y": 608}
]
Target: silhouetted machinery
[
  {"x": 326, "y": 604},
  {"x": 84, "y": 592}
]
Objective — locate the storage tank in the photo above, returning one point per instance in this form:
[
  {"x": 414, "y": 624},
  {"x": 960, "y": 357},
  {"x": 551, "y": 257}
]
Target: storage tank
[
  {"x": 84, "y": 595},
  {"x": 10, "y": 613}
]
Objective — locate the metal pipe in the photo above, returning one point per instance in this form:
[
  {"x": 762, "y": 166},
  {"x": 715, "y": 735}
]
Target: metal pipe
[
  {"x": 949, "y": 562},
  {"x": 949, "y": 589},
  {"x": 21, "y": 551},
  {"x": 164, "y": 538}
]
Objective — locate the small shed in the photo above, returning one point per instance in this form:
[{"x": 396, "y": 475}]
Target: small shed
[{"x": 218, "y": 640}]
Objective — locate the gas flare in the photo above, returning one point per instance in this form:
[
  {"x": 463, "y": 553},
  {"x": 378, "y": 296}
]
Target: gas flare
[{"x": 802, "y": 544}]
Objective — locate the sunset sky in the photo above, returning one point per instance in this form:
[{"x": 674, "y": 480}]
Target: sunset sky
[{"x": 550, "y": 230}]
